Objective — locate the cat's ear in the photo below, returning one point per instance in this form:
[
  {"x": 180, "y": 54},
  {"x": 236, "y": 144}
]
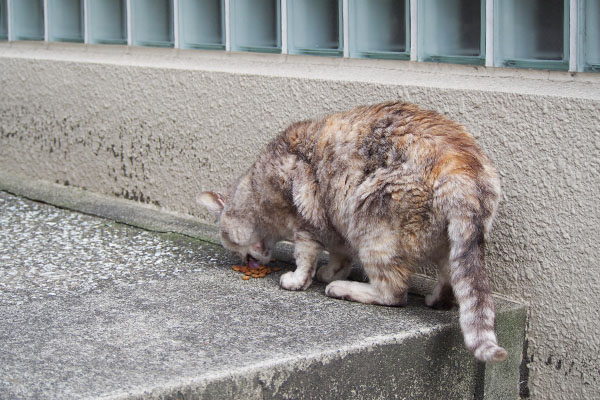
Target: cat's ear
[{"x": 214, "y": 202}]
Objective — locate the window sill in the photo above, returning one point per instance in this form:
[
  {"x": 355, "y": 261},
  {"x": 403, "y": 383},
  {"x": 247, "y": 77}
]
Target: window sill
[{"x": 387, "y": 72}]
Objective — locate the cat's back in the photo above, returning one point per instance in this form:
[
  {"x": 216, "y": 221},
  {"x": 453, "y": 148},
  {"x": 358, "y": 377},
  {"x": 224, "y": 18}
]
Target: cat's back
[
  {"x": 392, "y": 166},
  {"x": 390, "y": 139}
]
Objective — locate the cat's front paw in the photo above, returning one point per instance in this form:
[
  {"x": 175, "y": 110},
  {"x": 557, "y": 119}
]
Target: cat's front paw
[{"x": 293, "y": 281}]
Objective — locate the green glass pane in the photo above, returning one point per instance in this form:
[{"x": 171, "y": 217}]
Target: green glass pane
[
  {"x": 65, "y": 20},
  {"x": 107, "y": 21},
  {"x": 152, "y": 22},
  {"x": 314, "y": 27},
  {"x": 591, "y": 35},
  {"x": 255, "y": 25},
  {"x": 202, "y": 24},
  {"x": 3, "y": 20},
  {"x": 452, "y": 31},
  {"x": 27, "y": 19},
  {"x": 379, "y": 28},
  {"x": 532, "y": 33}
]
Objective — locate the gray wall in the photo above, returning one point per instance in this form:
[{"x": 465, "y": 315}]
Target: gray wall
[{"x": 159, "y": 126}]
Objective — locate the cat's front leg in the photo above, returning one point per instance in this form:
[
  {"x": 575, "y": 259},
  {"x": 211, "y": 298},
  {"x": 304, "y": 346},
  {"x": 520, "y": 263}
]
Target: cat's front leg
[{"x": 306, "y": 253}]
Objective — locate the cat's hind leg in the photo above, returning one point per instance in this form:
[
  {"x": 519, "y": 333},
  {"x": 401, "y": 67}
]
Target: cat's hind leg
[
  {"x": 339, "y": 267},
  {"x": 442, "y": 297},
  {"x": 306, "y": 253},
  {"x": 388, "y": 286}
]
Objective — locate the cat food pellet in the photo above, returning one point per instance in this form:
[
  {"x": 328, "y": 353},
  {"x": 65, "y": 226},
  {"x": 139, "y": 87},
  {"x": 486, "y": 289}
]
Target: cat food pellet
[{"x": 261, "y": 272}]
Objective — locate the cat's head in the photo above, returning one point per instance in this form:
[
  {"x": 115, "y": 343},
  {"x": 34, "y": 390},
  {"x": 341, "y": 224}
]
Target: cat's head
[{"x": 240, "y": 232}]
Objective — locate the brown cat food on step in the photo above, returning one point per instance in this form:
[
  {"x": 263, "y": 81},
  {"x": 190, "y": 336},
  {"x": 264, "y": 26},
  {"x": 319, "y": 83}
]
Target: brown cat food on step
[
  {"x": 390, "y": 185},
  {"x": 248, "y": 271}
]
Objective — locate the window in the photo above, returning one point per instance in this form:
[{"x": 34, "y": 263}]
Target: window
[
  {"x": 255, "y": 25},
  {"x": 380, "y": 29},
  {"x": 540, "y": 34},
  {"x": 152, "y": 23},
  {"x": 590, "y": 35},
  {"x": 532, "y": 33},
  {"x": 315, "y": 27},
  {"x": 109, "y": 22},
  {"x": 65, "y": 20},
  {"x": 202, "y": 24},
  {"x": 452, "y": 31},
  {"x": 3, "y": 20},
  {"x": 27, "y": 17}
]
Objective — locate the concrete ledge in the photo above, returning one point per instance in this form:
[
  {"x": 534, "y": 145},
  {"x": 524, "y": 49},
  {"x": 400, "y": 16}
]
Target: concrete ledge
[
  {"x": 388, "y": 72},
  {"x": 95, "y": 309},
  {"x": 125, "y": 211}
]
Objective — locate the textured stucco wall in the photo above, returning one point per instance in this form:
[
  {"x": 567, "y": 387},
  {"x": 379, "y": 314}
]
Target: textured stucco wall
[{"x": 162, "y": 133}]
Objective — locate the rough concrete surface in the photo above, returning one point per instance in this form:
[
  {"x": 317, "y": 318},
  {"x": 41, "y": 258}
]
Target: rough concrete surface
[
  {"x": 90, "y": 308},
  {"x": 159, "y": 126}
]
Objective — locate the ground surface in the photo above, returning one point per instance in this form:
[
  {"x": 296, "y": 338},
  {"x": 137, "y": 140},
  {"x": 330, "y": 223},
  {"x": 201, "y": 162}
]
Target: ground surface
[{"x": 91, "y": 308}]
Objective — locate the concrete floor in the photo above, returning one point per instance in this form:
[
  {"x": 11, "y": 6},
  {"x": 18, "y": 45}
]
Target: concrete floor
[{"x": 91, "y": 308}]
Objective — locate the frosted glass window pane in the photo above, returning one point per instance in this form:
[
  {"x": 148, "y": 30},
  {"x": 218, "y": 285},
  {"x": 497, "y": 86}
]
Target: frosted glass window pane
[
  {"x": 27, "y": 19},
  {"x": 532, "y": 33},
  {"x": 255, "y": 25},
  {"x": 3, "y": 20},
  {"x": 65, "y": 20},
  {"x": 379, "y": 28},
  {"x": 107, "y": 21},
  {"x": 591, "y": 35},
  {"x": 202, "y": 24},
  {"x": 314, "y": 27},
  {"x": 452, "y": 31},
  {"x": 152, "y": 22}
]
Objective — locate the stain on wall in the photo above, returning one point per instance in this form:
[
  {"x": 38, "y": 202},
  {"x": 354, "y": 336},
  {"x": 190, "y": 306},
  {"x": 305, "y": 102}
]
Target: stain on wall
[{"x": 160, "y": 136}]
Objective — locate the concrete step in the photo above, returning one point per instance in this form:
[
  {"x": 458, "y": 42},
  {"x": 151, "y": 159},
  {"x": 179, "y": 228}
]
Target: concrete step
[{"x": 92, "y": 308}]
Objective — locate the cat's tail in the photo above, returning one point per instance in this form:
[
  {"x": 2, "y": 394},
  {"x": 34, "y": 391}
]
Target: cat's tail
[{"x": 469, "y": 217}]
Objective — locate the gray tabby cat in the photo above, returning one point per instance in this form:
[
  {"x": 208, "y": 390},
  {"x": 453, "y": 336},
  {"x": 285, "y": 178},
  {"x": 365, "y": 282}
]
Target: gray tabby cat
[{"x": 390, "y": 185}]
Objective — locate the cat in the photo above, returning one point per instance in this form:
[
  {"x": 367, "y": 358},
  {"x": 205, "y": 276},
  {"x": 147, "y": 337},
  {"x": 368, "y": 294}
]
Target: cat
[{"x": 391, "y": 185}]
